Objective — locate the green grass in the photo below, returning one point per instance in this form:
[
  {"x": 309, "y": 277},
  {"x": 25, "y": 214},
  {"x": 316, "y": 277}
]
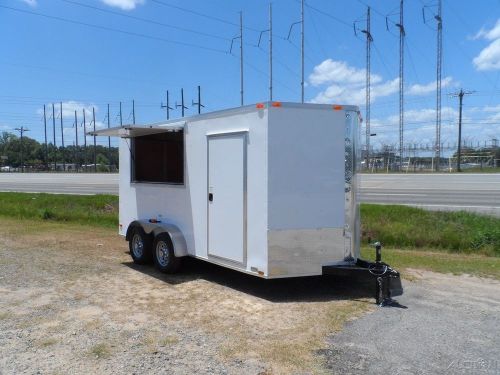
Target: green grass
[
  {"x": 100, "y": 351},
  {"x": 415, "y": 228},
  {"x": 98, "y": 210},
  {"x": 457, "y": 264},
  {"x": 481, "y": 170},
  {"x": 398, "y": 227}
]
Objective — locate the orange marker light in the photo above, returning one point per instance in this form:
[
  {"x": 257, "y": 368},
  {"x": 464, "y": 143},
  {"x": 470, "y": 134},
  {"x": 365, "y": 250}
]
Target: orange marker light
[
  {"x": 276, "y": 104},
  {"x": 260, "y": 106},
  {"x": 337, "y": 107}
]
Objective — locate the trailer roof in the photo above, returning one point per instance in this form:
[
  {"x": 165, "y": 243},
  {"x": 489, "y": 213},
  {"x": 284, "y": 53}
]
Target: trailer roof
[{"x": 129, "y": 131}]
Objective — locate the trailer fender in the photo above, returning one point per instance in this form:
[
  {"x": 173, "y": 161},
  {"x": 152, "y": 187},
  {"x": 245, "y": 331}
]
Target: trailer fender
[{"x": 175, "y": 234}]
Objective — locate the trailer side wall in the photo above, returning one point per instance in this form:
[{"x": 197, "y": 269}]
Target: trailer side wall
[{"x": 306, "y": 197}]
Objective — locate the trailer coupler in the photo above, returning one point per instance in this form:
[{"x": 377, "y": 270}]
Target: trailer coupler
[{"x": 387, "y": 280}]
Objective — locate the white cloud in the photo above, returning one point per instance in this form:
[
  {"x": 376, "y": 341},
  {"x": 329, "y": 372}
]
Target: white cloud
[
  {"x": 489, "y": 57},
  {"x": 355, "y": 94},
  {"x": 69, "y": 108},
  {"x": 491, "y": 34},
  {"x": 330, "y": 71},
  {"x": 427, "y": 88},
  {"x": 490, "y": 108},
  {"x": 31, "y": 3},
  {"x": 346, "y": 84},
  {"x": 123, "y": 4}
]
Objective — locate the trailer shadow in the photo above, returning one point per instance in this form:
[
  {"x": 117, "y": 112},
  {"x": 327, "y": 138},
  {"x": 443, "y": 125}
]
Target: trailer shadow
[{"x": 298, "y": 289}]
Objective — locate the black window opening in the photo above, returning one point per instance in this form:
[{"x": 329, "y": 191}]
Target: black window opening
[{"x": 159, "y": 158}]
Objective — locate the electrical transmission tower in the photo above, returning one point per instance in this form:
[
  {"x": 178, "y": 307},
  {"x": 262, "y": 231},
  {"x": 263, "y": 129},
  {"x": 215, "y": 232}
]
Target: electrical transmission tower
[
  {"x": 302, "y": 52},
  {"x": 240, "y": 37},
  {"x": 369, "y": 40},
  {"x": 402, "y": 35},
  {"x": 438, "y": 84},
  {"x": 270, "y": 31},
  {"x": 439, "y": 20}
]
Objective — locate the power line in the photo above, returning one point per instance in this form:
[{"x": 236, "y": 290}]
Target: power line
[
  {"x": 339, "y": 20},
  {"x": 146, "y": 20},
  {"x": 152, "y": 37},
  {"x": 208, "y": 16}
]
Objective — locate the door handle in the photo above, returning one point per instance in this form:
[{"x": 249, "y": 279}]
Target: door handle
[{"x": 210, "y": 197}]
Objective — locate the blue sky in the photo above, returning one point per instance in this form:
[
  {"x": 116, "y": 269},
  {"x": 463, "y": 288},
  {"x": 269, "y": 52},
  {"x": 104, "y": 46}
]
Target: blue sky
[{"x": 71, "y": 51}]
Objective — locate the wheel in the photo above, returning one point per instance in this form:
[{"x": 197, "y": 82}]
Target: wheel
[
  {"x": 140, "y": 246},
  {"x": 163, "y": 254}
]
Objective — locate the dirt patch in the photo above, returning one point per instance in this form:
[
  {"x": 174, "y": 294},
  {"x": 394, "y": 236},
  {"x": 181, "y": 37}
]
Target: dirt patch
[{"x": 71, "y": 301}]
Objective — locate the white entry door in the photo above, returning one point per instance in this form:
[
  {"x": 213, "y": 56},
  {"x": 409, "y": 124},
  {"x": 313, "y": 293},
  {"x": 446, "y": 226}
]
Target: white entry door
[{"x": 226, "y": 196}]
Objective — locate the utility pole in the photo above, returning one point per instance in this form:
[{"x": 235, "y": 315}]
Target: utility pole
[
  {"x": 270, "y": 51},
  {"x": 241, "y": 58},
  {"x": 54, "y": 131},
  {"x": 167, "y": 107},
  {"x": 270, "y": 30},
  {"x": 302, "y": 47},
  {"x": 402, "y": 35},
  {"x": 62, "y": 141},
  {"x": 95, "y": 156},
  {"x": 133, "y": 111},
  {"x": 76, "y": 141},
  {"x": 45, "y": 132},
  {"x": 438, "y": 83},
  {"x": 369, "y": 40},
  {"x": 183, "y": 107},
  {"x": 460, "y": 96},
  {"x": 199, "y": 101},
  {"x": 121, "y": 118},
  {"x": 84, "y": 140},
  {"x": 302, "y": 51},
  {"x": 109, "y": 140},
  {"x": 21, "y": 130}
]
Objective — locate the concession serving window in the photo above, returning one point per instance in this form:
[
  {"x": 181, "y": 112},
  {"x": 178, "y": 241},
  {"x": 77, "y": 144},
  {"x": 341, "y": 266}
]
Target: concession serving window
[{"x": 158, "y": 158}]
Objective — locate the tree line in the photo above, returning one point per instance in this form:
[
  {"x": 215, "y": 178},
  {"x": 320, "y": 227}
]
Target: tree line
[{"x": 34, "y": 155}]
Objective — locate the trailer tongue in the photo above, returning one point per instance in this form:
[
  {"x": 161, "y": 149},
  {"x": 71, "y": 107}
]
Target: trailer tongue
[{"x": 387, "y": 280}]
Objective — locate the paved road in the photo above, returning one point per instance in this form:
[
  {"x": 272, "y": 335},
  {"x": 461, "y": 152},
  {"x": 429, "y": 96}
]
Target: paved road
[
  {"x": 470, "y": 192},
  {"x": 473, "y": 192},
  {"x": 450, "y": 326},
  {"x": 67, "y": 183}
]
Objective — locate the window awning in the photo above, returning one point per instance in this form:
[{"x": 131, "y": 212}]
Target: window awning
[{"x": 131, "y": 131}]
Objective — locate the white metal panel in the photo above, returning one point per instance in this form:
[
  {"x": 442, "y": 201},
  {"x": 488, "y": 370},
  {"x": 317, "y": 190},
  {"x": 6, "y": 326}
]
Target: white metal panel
[
  {"x": 197, "y": 166},
  {"x": 306, "y": 168},
  {"x": 226, "y": 189}
]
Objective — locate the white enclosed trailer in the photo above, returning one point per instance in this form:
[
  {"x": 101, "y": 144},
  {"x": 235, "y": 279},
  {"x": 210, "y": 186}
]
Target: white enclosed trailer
[{"x": 267, "y": 189}]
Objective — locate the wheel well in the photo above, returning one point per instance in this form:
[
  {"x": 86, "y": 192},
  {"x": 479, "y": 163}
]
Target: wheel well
[
  {"x": 131, "y": 227},
  {"x": 175, "y": 236}
]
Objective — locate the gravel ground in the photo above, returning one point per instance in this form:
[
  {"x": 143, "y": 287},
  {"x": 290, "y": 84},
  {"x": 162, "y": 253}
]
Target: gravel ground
[
  {"x": 71, "y": 302},
  {"x": 451, "y": 325}
]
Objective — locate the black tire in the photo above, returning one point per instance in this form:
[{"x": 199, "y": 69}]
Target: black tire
[
  {"x": 140, "y": 246},
  {"x": 163, "y": 254}
]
